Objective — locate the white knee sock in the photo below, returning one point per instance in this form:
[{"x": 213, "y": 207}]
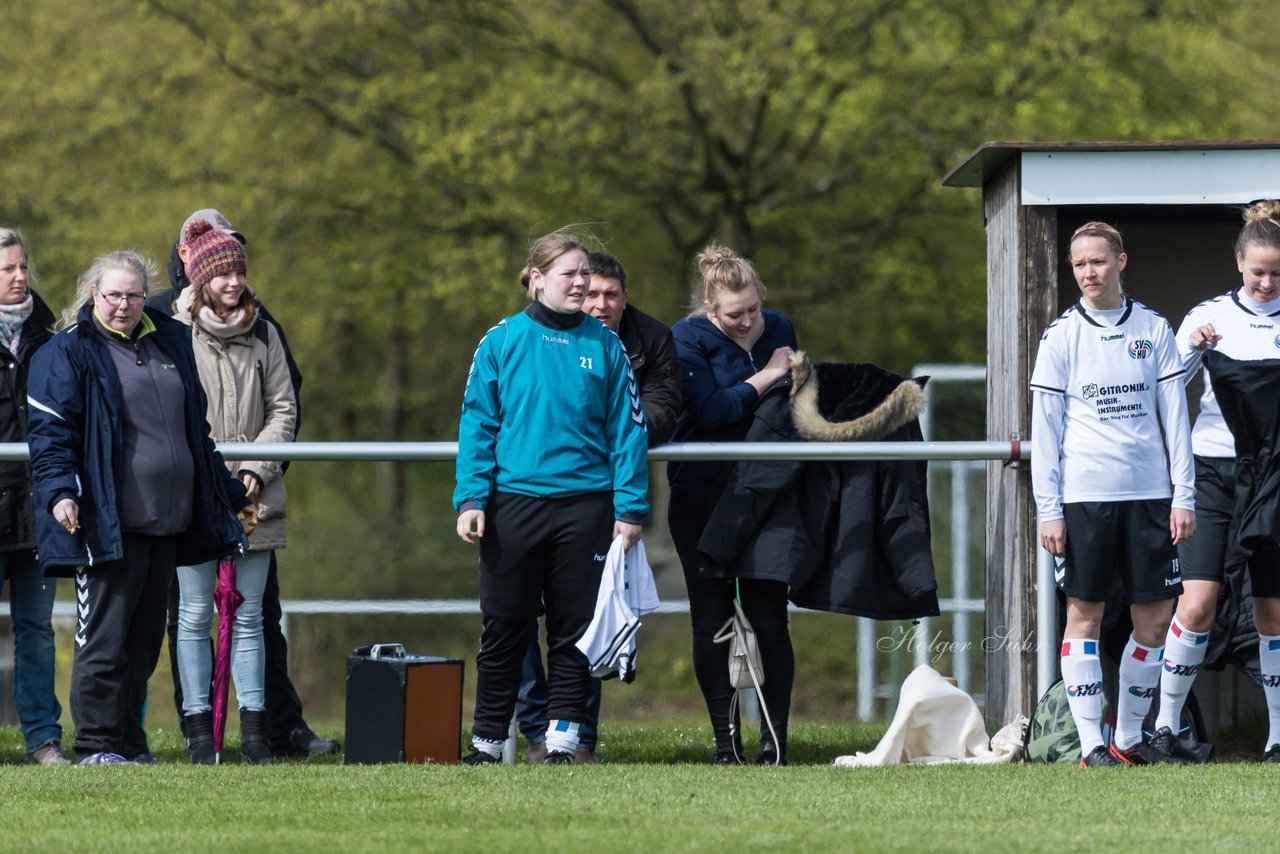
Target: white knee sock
[
  {"x": 1183, "y": 653},
  {"x": 1269, "y": 659},
  {"x": 1139, "y": 675},
  {"x": 562, "y": 736},
  {"x": 1082, "y": 676}
]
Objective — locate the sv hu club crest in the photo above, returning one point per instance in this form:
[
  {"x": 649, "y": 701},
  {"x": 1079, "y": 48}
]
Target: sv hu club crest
[{"x": 1139, "y": 349}]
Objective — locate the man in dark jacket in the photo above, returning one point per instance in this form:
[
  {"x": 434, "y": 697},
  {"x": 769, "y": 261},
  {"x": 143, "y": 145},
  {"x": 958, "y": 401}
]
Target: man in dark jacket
[
  {"x": 650, "y": 347},
  {"x": 652, "y": 353},
  {"x": 287, "y": 731}
]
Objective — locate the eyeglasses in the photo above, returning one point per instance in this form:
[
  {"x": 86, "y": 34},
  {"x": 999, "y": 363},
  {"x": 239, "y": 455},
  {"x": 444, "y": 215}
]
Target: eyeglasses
[{"x": 116, "y": 299}]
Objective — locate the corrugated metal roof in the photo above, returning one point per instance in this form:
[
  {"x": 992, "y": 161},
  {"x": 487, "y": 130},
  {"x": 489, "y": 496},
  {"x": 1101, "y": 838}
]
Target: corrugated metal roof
[{"x": 990, "y": 157}]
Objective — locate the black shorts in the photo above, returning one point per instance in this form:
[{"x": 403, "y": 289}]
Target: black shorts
[
  {"x": 1129, "y": 539},
  {"x": 544, "y": 550},
  {"x": 1204, "y": 556}
]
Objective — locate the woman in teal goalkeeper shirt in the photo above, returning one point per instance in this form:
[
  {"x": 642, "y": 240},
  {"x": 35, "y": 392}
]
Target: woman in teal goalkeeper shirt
[{"x": 551, "y": 465}]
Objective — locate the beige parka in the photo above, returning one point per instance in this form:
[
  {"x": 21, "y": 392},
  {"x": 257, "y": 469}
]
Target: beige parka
[{"x": 246, "y": 380}]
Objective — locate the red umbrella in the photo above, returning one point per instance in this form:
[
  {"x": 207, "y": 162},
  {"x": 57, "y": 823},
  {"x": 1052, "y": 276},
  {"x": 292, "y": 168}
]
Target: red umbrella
[{"x": 227, "y": 598}]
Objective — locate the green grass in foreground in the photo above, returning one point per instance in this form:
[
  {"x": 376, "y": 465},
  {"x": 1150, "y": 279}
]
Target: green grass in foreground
[{"x": 655, "y": 791}]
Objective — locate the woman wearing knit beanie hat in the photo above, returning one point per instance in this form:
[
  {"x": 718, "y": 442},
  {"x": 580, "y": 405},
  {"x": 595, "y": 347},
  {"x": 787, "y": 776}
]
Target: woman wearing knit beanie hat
[
  {"x": 213, "y": 253},
  {"x": 246, "y": 378}
]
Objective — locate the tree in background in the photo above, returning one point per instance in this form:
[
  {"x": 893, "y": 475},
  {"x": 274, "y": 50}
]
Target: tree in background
[{"x": 390, "y": 159}]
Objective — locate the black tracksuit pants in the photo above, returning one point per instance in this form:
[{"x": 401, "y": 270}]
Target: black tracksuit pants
[
  {"x": 710, "y": 605},
  {"x": 284, "y": 708},
  {"x": 536, "y": 552},
  {"x": 119, "y": 631}
]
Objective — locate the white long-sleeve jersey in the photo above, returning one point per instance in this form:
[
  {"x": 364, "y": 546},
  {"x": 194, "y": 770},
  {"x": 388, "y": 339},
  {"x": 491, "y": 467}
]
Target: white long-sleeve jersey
[{"x": 1108, "y": 399}]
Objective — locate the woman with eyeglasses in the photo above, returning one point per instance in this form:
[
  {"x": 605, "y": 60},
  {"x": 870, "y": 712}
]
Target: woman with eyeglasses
[{"x": 128, "y": 485}]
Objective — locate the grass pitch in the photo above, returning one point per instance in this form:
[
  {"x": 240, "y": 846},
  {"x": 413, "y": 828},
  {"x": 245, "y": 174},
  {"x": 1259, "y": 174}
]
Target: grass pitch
[{"x": 655, "y": 791}]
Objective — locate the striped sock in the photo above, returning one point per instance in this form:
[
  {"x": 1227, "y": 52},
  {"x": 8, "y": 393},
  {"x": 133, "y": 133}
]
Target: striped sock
[
  {"x": 1269, "y": 659},
  {"x": 562, "y": 736},
  {"x": 487, "y": 745},
  {"x": 1139, "y": 675},
  {"x": 1082, "y": 676},
  {"x": 1183, "y": 653}
]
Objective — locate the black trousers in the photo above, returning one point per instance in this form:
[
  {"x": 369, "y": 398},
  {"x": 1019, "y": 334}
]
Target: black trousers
[
  {"x": 284, "y": 708},
  {"x": 119, "y": 632},
  {"x": 710, "y": 605},
  {"x": 538, "y": 551}
]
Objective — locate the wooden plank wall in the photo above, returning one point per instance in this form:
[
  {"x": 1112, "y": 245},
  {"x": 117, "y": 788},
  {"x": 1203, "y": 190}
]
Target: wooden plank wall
[{"x": 1021, "y": 300}]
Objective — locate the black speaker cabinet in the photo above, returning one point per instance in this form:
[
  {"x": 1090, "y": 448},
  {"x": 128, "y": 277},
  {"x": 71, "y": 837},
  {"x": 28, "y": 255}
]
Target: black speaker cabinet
[{"x": 403, "y": 708}]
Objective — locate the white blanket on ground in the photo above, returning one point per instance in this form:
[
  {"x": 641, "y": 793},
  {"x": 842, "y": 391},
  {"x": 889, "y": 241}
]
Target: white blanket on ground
[{"x": 936, "y": 722}]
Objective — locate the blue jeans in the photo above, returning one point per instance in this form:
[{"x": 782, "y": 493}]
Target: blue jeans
[
  {"x": 31, "y": 604},
  {"x": 531, "y": 702},
  {"x": 195, "y": 617}
]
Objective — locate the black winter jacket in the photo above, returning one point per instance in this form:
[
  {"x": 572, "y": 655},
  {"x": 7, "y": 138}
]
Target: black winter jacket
[
  {"x": 76, "y": 448},
  {"x": 17, "y": 495},
  {"x": 1248, "y": 393},
  {"x": 652, "y": 353},
  {"x": 850, "y": 537}
]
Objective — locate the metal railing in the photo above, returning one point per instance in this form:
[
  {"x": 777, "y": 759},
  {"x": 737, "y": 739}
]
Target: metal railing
[
  {"x": 961, "y": 455},
  {"x": 447, "y": 451}
]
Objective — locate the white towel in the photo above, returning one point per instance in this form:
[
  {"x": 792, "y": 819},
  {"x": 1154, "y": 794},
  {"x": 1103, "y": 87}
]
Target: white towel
[
  {"x": 936, "y": 722},
  {"x": 626, "y": 592}
]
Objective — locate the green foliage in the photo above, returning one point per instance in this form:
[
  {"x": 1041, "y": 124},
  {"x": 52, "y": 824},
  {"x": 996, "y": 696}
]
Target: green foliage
[{"x": 390, "y": 160}]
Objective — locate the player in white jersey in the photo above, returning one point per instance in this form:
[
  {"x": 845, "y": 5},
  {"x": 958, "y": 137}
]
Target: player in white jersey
[
  {"x": 1108, "y": 401},
  {"x": 1245, "y": 325}
]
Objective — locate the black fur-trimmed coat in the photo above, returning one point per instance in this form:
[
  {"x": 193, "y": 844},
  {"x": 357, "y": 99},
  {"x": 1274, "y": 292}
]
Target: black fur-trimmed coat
[{"x": 846, "y": 536}]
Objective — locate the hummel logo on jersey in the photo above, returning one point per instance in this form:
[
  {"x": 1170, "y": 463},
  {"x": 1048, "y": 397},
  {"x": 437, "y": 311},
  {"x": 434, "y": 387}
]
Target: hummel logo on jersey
[
  {"x": 1261, "y": 325},
  {"x": 1115, "y": 337},
  {"x": 554, "y": 339},
  {"x": 1089, "y": 391},
  {"x": 599, "y": 558},
  {"x": 82, "y": 608}
]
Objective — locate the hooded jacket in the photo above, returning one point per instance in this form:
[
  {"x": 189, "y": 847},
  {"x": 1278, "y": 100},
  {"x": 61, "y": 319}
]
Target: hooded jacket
[
  {"x": 846, "y": 536},
  {"x": 718, "y": 401},
  {"x": 76, "y": 450},
  {"x": 17, "y": 505}
]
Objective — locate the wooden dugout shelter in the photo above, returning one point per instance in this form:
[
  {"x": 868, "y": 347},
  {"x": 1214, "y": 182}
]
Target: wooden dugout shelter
[{"x": 1178, "y": 206}]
